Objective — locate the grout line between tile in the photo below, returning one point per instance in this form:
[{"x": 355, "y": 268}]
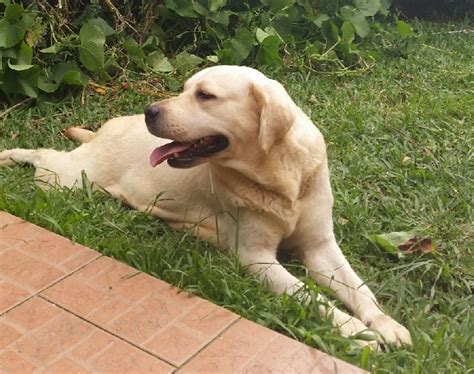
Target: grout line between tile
[
  {"x": 107, "y": 331},
  {"x": 210, "y": 342},
  {"x": 37, "y": 293}
]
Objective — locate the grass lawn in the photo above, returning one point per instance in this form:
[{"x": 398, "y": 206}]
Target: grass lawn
[{"x": 400, "y": 141}]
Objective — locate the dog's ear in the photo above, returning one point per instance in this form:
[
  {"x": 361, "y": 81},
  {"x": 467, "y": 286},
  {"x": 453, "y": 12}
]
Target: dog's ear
[{"x": 276, "y": 111}]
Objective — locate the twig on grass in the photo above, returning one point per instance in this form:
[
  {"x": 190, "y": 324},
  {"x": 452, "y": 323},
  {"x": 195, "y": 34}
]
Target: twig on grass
[{"x": 6, "y": 111}]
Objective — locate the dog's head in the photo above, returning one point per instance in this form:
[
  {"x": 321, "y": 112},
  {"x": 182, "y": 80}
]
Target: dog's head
[{"x": 223, "y": 112}]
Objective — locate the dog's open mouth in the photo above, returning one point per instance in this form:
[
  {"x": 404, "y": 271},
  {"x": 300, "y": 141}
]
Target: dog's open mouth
[{"x": 181, "y": 155}]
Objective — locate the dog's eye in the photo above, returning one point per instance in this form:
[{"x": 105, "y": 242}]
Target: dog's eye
[{"x": 204, "y": 95}]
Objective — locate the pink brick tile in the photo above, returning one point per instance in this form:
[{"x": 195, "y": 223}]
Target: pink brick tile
[
  {"x": 68, "y": 366},
  {"x": 249, "y": 348},
  {"x": 92, "y": 346},
  {"x": 83, "y": 256},
  {"x": 52, "y": 249},
  {"x": 138, "y": 308},
  {"x": 136, "y": 287},
  {"x": 22, "y": 232},
  {"x": 105, "y": 272},
  {"x": 59, "y": 342},
  {"x": 288, "y": 355},
  {"x": 42, "y": 244},
  {"x": 121, "y": 358},
  {"x": 11, "y": 294},
  {"x": 3, "y": 247},
  {"x": 145, "y": 319},
  {"x": 54, "y": 338},
  {"x": 109, "y": 310},
  {"x": 175, "y": 295},
  {"x": 11, "y": 362},
  {"x": 8, "y": 219},
  {"x": 232, "y": 350},
  {"x": 176, "y": 344},
  {"x": 7, "y": 335},
  {"x": 207, "y": 318},
  {"x": 27, "y": 271},
  {"x": 75, "y": 296},
  {"x": 31, "y": 314}
]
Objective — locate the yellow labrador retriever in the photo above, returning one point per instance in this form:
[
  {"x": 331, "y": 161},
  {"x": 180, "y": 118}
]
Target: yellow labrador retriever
[{"x": 246, "y": 169}]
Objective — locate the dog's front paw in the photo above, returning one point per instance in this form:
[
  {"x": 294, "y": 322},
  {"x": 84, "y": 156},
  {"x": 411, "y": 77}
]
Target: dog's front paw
[
  {"x": 352, "y": 327},
  {"x": 390, "y": 331}
]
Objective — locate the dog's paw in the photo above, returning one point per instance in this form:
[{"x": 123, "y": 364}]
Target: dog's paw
[
  {"x": 352, "y": 327},
  {"x": 5, "y": 158},
  {"x": 390, "y": 331}
]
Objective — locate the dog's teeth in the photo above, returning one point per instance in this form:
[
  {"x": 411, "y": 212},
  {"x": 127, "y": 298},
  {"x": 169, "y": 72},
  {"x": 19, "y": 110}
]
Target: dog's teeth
[{"x": 176, "y": 154}]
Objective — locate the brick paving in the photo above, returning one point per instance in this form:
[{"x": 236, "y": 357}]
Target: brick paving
[{"x": 67, "y": 309}]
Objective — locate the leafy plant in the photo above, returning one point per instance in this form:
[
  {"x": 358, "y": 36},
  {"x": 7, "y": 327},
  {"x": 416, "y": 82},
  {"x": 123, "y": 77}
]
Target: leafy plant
[{"x": 87, "y": 39}]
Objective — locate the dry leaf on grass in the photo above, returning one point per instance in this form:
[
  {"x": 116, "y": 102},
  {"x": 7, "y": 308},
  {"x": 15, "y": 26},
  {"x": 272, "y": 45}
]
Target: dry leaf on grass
[{"x": 401, "y": 243}]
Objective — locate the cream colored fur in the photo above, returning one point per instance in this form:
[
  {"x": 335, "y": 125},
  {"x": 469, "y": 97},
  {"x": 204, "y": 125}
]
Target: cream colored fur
[{"x": 270, "y": 189}]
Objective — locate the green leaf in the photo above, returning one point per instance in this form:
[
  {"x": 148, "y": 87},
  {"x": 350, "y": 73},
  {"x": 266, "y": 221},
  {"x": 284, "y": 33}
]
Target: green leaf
[
  {"x": 135, "y": 52},
  {"x": 11, "y": 33},
  {"x": 184, "y": 8},
  {"x": 330, "y": 32},
  {"x": 368, "y": 7},
  {"x": 91, "y": 33},
  {"x": 347, "y": 32},
  {"x": 159, "y": 62},
  {"x": 63, "y": 72},
  {"x": 62, "y": 68},
  {"x": 391, "y": 241},
  {"x": 19, "y": 67},
  {"x": 103, "y": 25},
  {"x": 213, "y": 58},
  {"x": 91, "y": 50},
  {"x": 23, "y": 82},
  {"x": 361, "y": 26},
  {"x": 185, "y": 62},
  {"x": 385, "y": 7},
  {"x": 172, "y": 83},
  {"x": 404, "y": 29},
  {"x": 73, "y": 77},
  {"x": 260, "y": 35},
  {"x": 320, "y": 18},
  {"x": 241, "y": 44},
  {"x": 92, "y": 56},
  {"x": 55, "y": 48},
  {"x": 268, "y": 53},
  {"x": 47, "y": 86},
  {"x": 277, "y": 5},
  {"x": 215, "y": 5},
  {"x": 13, "y": 12},
  {"x": 25, "y": 57}
]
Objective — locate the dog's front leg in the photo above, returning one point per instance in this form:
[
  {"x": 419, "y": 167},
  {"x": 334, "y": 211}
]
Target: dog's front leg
[
  {"x": 329, "y": 267},
  {"x": 257, "y": 251}
]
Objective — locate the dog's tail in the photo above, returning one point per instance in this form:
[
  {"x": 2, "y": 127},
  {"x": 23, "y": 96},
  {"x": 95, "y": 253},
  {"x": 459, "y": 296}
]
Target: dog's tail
[{"x": 79, "y": 134}]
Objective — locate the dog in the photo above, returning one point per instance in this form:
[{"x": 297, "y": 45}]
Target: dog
[{"x": 246, "y": 169}]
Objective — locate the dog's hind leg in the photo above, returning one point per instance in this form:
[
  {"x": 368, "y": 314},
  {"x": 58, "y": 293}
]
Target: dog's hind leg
[
  {"x": 53, "y": 168},
  {"x": 79, "y": 134},
  {"x": 18, "y": 155}
]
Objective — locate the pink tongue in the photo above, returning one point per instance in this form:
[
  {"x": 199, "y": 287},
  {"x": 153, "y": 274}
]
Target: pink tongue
[{"x": 166, "y": 151}]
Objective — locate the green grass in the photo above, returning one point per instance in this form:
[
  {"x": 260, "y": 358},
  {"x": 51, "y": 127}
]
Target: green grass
[{"x": 400, "y": 141}]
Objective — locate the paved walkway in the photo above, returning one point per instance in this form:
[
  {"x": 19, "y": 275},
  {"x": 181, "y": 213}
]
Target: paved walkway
[{"x": 67, "y": 309}]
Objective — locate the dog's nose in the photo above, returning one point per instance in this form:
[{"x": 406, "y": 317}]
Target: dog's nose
[{"x": 152, "y": 111}]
